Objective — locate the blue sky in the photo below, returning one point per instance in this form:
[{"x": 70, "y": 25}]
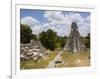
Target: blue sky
[
  {"x": 38, "y": 14},
  {"x": 41, "y": 20}
]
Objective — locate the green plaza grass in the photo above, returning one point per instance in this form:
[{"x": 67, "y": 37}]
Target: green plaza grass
[
  {"x": 30, "y": 64},
  {"x": 79, "y": 59},
  {"x": 69, "y": 59}
]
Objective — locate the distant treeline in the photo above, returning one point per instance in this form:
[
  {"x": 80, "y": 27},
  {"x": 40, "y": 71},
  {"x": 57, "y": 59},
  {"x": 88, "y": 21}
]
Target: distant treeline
[{"x": 49, "y": 39}]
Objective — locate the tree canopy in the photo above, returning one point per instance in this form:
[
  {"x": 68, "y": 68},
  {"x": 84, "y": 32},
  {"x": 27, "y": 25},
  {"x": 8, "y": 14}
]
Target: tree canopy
[
  {"x": 50, "y": 40},
  {"x": 26, "y": 33},
  {"x": 87, "y": 42}
]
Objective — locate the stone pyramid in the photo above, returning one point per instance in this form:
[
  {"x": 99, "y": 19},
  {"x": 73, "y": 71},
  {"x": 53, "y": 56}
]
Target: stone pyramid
[{"x": 74, "y": 43}]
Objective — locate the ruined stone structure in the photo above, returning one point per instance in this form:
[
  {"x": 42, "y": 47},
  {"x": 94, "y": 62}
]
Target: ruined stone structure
[
  {"x": 33, "y": 51},
  {"x": 74, "y": 43}
]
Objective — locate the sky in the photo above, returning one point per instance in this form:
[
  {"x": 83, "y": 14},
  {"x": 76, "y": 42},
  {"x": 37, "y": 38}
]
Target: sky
[{"x": 58, "y": 21}]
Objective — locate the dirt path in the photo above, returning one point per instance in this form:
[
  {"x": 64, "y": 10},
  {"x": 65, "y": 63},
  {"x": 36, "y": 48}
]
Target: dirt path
[{"x": 52, "y": 63}]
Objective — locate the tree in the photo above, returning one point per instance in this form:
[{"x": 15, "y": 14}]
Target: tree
[
  {"x": 34, "y": 37},
  {"x": 48, "y": 39},
  {"x": 43, "y": 38},
  {"x": 87, "y": 41},
  {"x": 26, "y": 33},
  {"x": 61, "y": 40},
  {"x": 88, "y": 36}
]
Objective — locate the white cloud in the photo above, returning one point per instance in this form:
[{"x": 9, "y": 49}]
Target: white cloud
[
  {"x": 59, "y": 22},
  {"x": 84, "y": 26},
  {"x": 53, "y": 15},
  {"x": 30, "y": 21}
]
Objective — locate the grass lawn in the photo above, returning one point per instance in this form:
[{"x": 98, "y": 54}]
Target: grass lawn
[
  {"x": 76, "y": 59},
  {"x": 43, "y": 63},
  {"x": 69, "y": 59},
  {"x": 52, "y": 55},
  {"x": 30, "y": 64}
]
